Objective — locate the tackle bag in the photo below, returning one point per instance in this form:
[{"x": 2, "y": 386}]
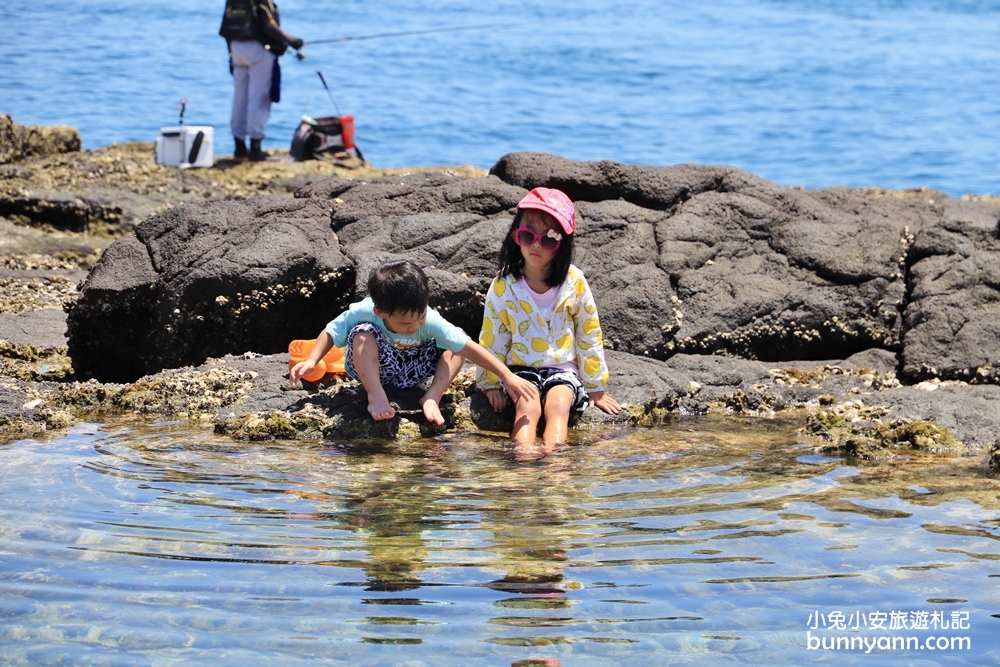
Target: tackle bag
[{"x": 316, "y": 137}]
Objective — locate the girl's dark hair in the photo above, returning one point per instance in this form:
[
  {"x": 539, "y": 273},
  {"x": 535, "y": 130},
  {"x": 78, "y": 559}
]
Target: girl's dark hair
[
  {"x": 399, "y": 286},
  {"x": 511, "y": 261}
]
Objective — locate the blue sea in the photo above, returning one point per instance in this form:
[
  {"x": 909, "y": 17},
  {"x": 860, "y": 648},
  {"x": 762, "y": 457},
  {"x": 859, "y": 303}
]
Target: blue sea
[{"x": 891, "y": 93}]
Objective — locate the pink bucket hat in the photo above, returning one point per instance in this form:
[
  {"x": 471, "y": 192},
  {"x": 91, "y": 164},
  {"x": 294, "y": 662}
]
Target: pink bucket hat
[{"x": 555, "y": 203}]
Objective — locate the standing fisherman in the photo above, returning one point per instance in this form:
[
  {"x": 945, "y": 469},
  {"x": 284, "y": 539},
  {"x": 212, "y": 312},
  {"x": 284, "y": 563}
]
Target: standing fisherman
[{"x": 255, "y": 39}]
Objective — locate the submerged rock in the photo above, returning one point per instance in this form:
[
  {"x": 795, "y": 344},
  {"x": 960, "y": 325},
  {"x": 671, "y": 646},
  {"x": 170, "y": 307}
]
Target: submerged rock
[{"x": 859, "y": 431}]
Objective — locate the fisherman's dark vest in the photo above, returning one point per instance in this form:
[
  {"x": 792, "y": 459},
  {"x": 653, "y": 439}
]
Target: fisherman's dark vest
[{"x": 241, "y": 21}]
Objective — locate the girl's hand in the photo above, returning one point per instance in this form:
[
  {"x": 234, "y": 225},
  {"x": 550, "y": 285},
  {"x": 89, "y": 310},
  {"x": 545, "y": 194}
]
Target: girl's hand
[
  {"x": 605, "y": 402},
  {"x": 302, "y": 368},
  {"x": 519, "y": 388},
  {"x": 497, "y": 400}
]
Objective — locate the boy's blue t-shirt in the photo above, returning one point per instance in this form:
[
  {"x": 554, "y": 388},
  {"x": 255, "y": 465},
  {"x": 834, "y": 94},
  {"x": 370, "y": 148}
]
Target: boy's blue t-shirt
[{"x": 446, "y": 334}]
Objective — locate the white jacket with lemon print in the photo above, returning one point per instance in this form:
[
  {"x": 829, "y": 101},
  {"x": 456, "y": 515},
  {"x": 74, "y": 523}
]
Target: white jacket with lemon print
[{"x": 518, "y": 335}]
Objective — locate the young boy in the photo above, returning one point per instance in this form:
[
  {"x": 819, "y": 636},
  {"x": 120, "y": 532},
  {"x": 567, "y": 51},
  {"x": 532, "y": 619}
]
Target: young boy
[{"x": 392, "y": 338}]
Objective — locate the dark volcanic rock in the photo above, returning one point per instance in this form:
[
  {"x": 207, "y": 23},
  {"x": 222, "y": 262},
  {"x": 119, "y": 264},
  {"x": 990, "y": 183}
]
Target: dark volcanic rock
[
  {"x": 204, "y": 280},
  {"x": 655, "y": 188},
  {"x": 112, "y": 323},
  {"x": 200, "y": 280},
  {"x": 705, "y": 259},
  {"x": 684, "y": 262},
  {"x": 953, "y": 318}
]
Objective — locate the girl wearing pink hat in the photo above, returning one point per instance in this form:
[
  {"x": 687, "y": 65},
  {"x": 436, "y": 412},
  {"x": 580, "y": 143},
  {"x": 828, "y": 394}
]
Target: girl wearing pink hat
[{"x": 541, "y": 321}]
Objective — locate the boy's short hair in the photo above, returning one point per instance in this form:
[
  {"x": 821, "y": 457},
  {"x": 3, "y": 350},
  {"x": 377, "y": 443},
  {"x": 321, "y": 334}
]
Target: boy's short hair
[{"x": 399, "y": 286}]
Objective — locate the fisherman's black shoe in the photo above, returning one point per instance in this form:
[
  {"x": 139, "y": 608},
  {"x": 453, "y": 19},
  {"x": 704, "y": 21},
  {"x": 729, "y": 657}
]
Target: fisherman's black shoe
[
  {"x": 240, "y": 153},
  {"x": 256, "y": 154}
]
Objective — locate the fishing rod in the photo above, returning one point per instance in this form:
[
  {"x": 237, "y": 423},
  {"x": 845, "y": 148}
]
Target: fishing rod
[
  {"x": 300, "y": 53},
  {"x": 335, "y": 107},
  {"x": 411, "y": 32}
]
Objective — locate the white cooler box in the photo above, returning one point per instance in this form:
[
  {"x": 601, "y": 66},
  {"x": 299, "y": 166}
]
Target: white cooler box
[{"x": 185, "y": 146}]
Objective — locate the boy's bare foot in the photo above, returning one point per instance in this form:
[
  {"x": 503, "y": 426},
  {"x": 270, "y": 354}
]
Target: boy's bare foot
[
  {"x": 380, "y": 408},
  {"x": 431, "y": 410}
]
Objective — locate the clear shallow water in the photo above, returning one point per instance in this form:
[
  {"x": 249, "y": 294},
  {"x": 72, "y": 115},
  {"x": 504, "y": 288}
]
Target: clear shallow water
[
  {"x": 890, "y": 93},
  {"x": 707, "y": 542}
]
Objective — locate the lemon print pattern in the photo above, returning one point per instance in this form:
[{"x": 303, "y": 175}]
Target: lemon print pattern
[{"x": 517, "y": 334}]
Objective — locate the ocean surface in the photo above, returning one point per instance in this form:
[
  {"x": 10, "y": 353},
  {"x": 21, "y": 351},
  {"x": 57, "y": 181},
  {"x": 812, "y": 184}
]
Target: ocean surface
[{"x": 889, "y": 93}]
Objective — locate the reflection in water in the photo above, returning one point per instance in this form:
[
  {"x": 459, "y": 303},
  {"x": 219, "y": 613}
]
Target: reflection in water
[{"x": 705, "y": 538}]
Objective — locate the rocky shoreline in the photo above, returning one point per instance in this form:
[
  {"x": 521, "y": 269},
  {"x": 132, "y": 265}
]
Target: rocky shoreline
[{"x": 866, "y": 314}]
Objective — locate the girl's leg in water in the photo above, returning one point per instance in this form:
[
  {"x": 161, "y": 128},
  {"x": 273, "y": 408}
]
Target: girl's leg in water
[
  {"x": 527, "y": 413},
  {"x": 558, "y": 403}
]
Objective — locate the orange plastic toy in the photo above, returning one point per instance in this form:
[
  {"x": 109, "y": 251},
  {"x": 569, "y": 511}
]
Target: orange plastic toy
[{"x": 333, "y": 362}]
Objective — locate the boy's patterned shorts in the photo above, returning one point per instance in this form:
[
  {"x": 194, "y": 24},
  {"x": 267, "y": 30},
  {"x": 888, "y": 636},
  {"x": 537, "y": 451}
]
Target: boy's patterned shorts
[
  {"x": 546, "y": 378},
  {"x": 397, "y": 368}
]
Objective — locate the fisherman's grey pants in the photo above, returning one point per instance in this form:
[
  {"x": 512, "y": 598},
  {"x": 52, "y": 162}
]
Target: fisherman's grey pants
[{"x": 252, "y": 65}]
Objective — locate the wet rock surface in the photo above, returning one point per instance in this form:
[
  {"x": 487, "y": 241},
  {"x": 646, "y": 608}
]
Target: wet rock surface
[
  {"x": 105, "y": 193},
  {"x": 869, "y": 311}
]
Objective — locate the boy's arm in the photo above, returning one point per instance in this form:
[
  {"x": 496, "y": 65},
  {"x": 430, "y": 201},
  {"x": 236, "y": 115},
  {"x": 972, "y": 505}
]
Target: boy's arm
[
  {"x": 323, "y": 344},
  {"x": 516, "y": 387}
]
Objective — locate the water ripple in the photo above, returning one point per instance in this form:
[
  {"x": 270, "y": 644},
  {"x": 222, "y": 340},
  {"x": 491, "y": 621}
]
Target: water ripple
[{"x": 713, "y": 537}]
